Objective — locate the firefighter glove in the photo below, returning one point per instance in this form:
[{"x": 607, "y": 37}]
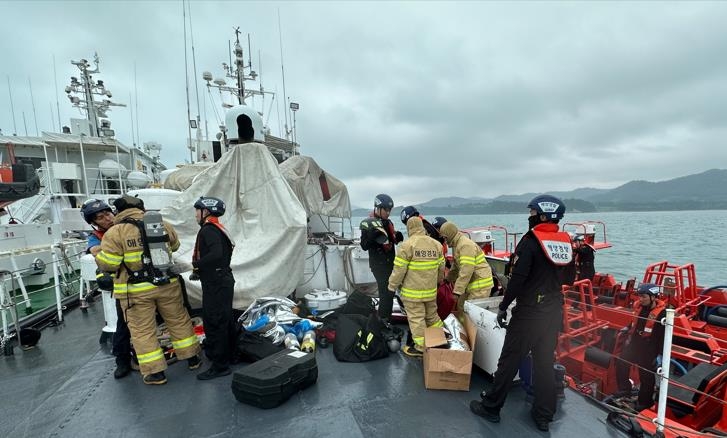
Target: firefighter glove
[
  {"x": 502, "y": 318},
  {"x": 399, "y": 237},
  {"x": 105, "y": 281},
  {"x": 178, "y": 268},
  {"x": 194, "y": 276}
]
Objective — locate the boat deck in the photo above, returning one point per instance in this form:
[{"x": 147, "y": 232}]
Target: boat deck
[{"x": 65, "y": 387}]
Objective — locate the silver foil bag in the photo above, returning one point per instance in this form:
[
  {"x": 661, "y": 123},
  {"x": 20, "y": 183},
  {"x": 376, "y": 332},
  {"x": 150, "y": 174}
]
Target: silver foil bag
[{"x": 456, "y": 336}]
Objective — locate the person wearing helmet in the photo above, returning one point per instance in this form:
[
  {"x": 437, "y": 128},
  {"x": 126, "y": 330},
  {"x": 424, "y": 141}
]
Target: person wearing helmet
[
  {"x": 438, "y": 222},
  {"x": 100, "y": 216},
  {"x": 584, "y": 256},
  {"x": 470, "y": 272},
  {"x": 644, "y": 343},
  {"x": 379, "y": 237},
  {"x": 211, "y": 263},
  {"x": 539, "y": 269},
  {"x": 430, "y": 229},
  {"x": 125, "y": 251},
  {"x": 418, "y": 268}
]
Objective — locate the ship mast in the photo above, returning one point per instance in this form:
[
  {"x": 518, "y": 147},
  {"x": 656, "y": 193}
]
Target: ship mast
[{"x": 94, "y": 110}]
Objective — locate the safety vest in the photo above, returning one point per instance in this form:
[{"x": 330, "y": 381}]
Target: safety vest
[
  {"x": 651, "y": 319},
  {"x": 556, "y": 244}
]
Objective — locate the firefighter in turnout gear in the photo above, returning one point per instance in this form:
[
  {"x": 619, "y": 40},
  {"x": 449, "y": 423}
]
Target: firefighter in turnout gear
[
  {"x": 418, "y": 268},
  {"x": 644, "y": 344},
  {"x": 539, "y": 269},
  {"x": 379, "y": 238},
  {"x": 470, "y": 273},
  {"x": 143, "y": 289}
]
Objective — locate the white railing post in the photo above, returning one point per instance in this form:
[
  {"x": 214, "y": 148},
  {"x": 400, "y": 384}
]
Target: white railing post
[
  {"x": 663, "y": 371},
  {"x": 56, "y": 279}
]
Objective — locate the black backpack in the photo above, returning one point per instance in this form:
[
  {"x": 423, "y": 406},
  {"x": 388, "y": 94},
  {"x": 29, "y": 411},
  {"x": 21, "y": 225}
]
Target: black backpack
[
  {"x": 359, "y": 338},
  {"x": 358, "y": 303}
]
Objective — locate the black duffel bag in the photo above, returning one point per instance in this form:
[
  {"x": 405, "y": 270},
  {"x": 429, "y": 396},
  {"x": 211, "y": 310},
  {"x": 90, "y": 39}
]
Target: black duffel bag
[
  {"x": 359, "y": 338},
  {"x": 251, "y": 346},
  {"x": 358, "y": 303}
]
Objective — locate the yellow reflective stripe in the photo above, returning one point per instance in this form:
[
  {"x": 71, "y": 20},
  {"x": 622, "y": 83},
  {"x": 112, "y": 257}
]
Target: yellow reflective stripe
[
  {"x": 419, "y": 340},
  {"x": 150, "y": 357},
  {"x": 415, "y": 294},
  {"x": 481, "y": 283},
  {"x": 122, "y": 288},
  {"x": 437, "y": 324},
  {"x": 102, "y": 274},
  {"x": 184, "y": 343},
  {"x": 468, "y": 260},
  {"x": 398, "y": 261},
  {"x": 424, "y": 265},
  {"x": 110, "y": 259},
  {"x": 131, "y": 257}
]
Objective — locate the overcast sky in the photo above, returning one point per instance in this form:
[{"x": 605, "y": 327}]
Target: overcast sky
[{"x": 418, "y": 100}]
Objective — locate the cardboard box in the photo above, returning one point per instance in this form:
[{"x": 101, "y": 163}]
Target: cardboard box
[{"x": 447, "y": 369}]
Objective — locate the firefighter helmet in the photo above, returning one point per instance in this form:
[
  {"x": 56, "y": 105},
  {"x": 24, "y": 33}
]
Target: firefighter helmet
[
  {"x": 439, "y": 221},
  {"x": 92, "y": 207},
  {"x": 215, "y": 206},
  {"x": 407, "y": 213},
  {"x": 126, "y": 202},
  {"x": 552, "y": 207},
  {"x": 648, "y": 289},
  {"x": 383, "y": 201}
]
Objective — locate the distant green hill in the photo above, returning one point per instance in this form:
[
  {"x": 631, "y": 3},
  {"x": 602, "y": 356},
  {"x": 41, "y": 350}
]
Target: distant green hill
[{"x": 702, "y": 191}]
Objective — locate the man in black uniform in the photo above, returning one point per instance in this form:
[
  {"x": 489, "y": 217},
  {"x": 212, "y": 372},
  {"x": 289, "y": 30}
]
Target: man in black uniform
[
  {"x": 645, "y": 343},
  {"x": 585, "y": 256},
  {"x": 537, "y": 274},
  {"x": 211, "y": 263},
  {"x": 379, "y": 238}
]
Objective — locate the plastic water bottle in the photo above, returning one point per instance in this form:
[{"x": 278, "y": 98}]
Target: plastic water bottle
[
  {"x": 291, "y": 341},
  {"x": 309, "y": 342}
]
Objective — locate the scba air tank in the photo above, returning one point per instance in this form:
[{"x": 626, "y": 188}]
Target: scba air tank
[{"x": 158, "y": 241}]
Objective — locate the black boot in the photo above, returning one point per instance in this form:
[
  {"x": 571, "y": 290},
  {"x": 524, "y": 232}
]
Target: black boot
[
  {"x": 490, "y": 414},
  {"x": 213, "y": 372},
  {"x": 123, "y": 368},
  {"x": 156, "y": 378},
  {"x": 540, "y": 422}
]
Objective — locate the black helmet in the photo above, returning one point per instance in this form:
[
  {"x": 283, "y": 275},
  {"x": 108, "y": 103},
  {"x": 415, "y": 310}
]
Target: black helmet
[
  {"x": 408, "y": 212},
  {"x": 384, "y": 201},
  {"x": 548, "y": 205},
  {"x": 215, "y": 206},
  {"x": 128, "y": 201},
  {"x": 439, "y": 221},
  {"x": 91, "y": 207},
  {"x": 648, "y": 289}
]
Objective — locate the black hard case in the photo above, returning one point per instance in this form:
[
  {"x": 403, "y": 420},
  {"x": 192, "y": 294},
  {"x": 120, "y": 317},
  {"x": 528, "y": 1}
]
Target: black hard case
[{"x": 271, "y": 381}]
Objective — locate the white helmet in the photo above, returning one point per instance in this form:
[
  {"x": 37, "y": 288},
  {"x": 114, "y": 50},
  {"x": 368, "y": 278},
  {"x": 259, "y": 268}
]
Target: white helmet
[{"x": 249, "y": 113}]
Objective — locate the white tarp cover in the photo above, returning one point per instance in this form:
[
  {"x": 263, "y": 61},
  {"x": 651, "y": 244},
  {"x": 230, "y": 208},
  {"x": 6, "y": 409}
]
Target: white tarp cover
[
  {"x": 183, "y": 177},
  {"x": 303, "y": 175},
  {"x": 263, "y": 216}
]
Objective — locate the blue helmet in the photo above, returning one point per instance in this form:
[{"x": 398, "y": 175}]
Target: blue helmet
[
  {"x": 93, "y": 206},
  {"x": 383, "y": 201},
  {"x": 648, "y": 289},
  {"x": 439, "y": 221},
  {"x": 552, "y": 207},
  {"x": 408, "y": 212},
  {"x": 215, "y": 206}
]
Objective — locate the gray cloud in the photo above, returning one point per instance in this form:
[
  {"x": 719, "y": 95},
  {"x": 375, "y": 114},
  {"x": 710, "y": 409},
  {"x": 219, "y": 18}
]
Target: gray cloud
[{"x": 418, "y": 100}]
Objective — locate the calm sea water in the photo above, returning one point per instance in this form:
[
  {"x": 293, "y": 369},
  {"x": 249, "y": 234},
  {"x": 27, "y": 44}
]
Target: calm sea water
[{"x": 638, "y": 239}]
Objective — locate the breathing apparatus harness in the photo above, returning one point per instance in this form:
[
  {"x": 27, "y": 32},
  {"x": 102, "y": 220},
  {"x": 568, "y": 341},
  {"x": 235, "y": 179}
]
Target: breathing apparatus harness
[{"x": 156, "y": 256}]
